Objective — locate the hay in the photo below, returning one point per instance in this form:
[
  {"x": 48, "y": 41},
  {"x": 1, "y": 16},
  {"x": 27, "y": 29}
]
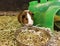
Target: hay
[
  {"x": 12, "y": 34},
  {"x": 8, "y": 25}
]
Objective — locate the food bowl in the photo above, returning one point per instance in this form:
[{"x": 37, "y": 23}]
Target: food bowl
[{"x": 33, "y": 36}]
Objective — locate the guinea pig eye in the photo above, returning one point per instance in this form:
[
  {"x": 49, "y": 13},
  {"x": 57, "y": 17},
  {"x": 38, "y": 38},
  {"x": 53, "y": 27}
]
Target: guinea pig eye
[{"x": 23, "y": 16}]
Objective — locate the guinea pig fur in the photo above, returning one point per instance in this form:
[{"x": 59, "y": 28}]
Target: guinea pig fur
[{"x": 26, "y": 18}]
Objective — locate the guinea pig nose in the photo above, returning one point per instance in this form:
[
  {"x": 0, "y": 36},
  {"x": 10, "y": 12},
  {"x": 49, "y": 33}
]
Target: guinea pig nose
[{"x": 30, "y": 24}]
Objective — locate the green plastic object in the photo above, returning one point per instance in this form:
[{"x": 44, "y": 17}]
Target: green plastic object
[
  {"x": 43, "y": 1},
  {"x": 49, "y": 17},
  {"x": 44, "y": 12}
]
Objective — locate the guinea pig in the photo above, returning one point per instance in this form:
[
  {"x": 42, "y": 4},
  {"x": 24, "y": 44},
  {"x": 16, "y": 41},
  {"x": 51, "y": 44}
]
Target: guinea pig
[{"x": 26, "y": 18}]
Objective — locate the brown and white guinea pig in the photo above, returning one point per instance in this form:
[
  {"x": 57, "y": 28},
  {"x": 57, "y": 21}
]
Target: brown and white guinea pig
[{"x": 26, "y": 18}]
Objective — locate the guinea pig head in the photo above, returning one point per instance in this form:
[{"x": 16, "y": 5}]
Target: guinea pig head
[{"x": 26, "y": 18}]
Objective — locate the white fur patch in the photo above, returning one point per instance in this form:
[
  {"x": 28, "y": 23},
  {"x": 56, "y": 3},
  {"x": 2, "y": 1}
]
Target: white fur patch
[{"x": 30, "y": 21}]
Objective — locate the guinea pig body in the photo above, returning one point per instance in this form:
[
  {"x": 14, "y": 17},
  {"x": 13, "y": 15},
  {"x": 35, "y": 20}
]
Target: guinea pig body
[{"x": 26, "y": 18}]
